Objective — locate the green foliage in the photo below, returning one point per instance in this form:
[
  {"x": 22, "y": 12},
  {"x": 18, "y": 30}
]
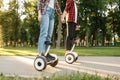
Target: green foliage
[
  {"x": 1, "y": 3},
  {"x": 97, "y": 19},
  {"x": 32, "y": 22},
  {"x": 10, "y": 21}
]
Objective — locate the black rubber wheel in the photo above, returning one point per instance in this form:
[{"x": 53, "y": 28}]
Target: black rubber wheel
[{"x": 40, "y": 63}]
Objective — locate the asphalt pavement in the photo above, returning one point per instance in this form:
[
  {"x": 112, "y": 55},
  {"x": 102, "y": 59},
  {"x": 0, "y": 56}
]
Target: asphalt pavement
[{"x": 23, "y": 66}]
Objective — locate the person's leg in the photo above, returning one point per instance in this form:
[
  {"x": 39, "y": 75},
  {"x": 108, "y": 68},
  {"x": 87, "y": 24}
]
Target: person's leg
[
  {"x": 50, "y": 11},
  {"x": 51, "y": 27},
  {"x": 70, "y": 36},
  {"x": 43, "y": 33},
  {"x": 68, "y": 39}
]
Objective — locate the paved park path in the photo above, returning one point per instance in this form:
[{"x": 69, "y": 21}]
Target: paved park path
[{"x": 23, "y": 66}]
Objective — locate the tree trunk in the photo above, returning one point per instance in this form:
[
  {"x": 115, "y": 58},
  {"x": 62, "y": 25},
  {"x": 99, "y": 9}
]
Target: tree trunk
[
  {"x": 1, "y": 39},
  {"x": 87, "y": 32},
  {"x": 87, "y": 36},
  {"x": 15, "y": 33},
  {"x": 103, "y": 38},
  {"x": 59, "y": 36}
]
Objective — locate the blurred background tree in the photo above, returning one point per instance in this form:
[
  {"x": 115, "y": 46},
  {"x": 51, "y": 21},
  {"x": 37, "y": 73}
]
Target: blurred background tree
[{"x": 98, "y": 21}]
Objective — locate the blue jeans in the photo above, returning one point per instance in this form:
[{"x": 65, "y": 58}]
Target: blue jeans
[{"x": 46, "y": 29}]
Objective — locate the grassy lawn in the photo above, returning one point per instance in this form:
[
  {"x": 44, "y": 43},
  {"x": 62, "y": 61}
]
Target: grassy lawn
[
  {"x": 82, "y": 51},
  {"x": 74, "y": 76}
]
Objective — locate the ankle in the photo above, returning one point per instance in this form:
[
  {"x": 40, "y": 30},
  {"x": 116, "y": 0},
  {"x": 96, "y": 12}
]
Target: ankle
[
  {"x": 41, "y": 54},
  {"x": 68, "y": 51}
]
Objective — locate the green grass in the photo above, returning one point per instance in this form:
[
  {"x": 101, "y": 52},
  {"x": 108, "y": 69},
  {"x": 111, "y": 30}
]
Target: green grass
[
  {"x": 82, "y": 51},
  {"x": 74, "y": 76},
  {"x": 99, "y": 51}
]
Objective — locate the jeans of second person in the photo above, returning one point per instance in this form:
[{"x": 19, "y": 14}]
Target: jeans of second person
[{"x": 46, "y": 29}]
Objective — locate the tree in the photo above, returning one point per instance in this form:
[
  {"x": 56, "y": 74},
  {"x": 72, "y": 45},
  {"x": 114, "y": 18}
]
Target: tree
[
  {"x": 59, "y": 32},
  {"x": 10, "y": 22},
  {"x": 1, "y": 3},
  {"x": 22, "y": 36},
  {"x": 31, "y": 22},
  {"x": 93, "y": 17},
  {"x": 1, "y": 39},
  {"x": 4, "y": 22},
  {"x": 99, "y": 21},
  {"x": 14, "y": 20},
  {"x": 113, "y": 19}
]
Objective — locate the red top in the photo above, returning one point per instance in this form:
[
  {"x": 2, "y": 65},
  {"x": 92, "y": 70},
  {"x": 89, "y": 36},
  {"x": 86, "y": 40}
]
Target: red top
[{"x": 70, "y": 9}]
